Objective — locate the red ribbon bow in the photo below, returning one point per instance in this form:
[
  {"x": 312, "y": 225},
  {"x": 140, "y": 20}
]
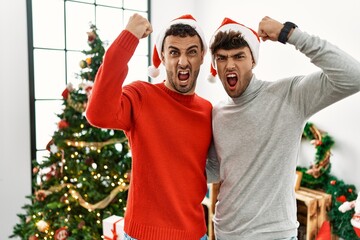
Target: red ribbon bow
[{"x": 113, "y": 230}]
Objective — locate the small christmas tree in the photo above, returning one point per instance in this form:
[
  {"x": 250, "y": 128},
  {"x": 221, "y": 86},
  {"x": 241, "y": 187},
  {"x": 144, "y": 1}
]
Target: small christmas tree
[{"x": 85, "y": 177}]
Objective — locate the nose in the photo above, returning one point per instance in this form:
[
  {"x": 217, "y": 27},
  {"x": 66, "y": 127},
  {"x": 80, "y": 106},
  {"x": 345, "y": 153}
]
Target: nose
[
  {"x": 230, "y": 64},
  {"x": 183, "y": 60}
]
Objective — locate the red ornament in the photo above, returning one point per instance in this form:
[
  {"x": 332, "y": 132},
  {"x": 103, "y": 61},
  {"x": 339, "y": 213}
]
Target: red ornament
[
  {"x": 33, "y": 238},
  {"x": 61, "y": 234},
  {"x": 350, "y": 190},
  {"x": 342, "y": 199},
  {"x": 91, "y": 37},
  {"x": 333, "y": 182},
  {"x": 63, "y": 124},
  {"x": 65, "y": 93}
]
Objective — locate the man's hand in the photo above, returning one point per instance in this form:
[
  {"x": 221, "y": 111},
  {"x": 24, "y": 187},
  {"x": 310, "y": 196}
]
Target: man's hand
[
  {"x": 139, "y": 26},
  {"x": 269, "y": 29}
]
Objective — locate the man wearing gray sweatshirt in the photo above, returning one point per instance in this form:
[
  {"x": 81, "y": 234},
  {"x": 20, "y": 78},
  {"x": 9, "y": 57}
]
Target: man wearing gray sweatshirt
[{"x": 257, "y": 130}]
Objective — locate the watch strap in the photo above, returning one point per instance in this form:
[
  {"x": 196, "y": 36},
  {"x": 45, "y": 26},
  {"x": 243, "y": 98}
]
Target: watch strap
[{"x": 283, "y": 36}]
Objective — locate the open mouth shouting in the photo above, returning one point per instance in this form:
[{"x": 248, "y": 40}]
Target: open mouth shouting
[
  {"x": 231, "y": 79},
  {"x": 183, "y": 76}
]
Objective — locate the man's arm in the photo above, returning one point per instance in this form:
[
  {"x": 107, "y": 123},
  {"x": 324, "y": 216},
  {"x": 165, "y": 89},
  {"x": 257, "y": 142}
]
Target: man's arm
[
  {"x": 339, "y": 76},
  {"x": 108, "y": 107}
]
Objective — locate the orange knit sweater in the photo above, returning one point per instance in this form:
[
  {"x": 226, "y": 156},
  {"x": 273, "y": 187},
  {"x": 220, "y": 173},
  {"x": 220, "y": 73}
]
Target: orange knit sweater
[{"x": 169, "y": 134}]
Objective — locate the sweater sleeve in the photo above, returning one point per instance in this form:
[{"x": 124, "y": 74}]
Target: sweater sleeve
[
  {"x": 339, "y": 74},
  {"x": 108, "y": 106}
]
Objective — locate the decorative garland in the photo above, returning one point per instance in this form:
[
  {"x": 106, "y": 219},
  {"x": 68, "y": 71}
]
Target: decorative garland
[
  {"x": 318, "y": 176},
  {"x": 323, "y": 144},
  {"x": 42, "y": 194}
]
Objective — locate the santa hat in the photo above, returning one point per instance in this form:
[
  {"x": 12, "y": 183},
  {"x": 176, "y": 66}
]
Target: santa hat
[
  {"x": 249, "y": 35},
  {"x": 153, "y": 70}
]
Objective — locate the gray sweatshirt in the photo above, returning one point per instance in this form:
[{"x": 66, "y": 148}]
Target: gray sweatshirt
[{"x": 257, "y": 140}]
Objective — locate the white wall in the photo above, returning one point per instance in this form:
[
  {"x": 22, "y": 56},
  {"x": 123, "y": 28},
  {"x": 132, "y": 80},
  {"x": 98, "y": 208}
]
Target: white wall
[
  {"x": 330, "y": 20},
  {"x": 15, "y": 166}
]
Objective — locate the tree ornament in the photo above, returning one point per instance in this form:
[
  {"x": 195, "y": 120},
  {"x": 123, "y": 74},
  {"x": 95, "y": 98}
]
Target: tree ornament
[
  {"x": 341, "y": 199},
  {"x": 91, "y": 37},
  {"x": 61, "y": 234},
  {"x": 88, "y": 60},
  {"x": 333, "y": 182},
  {"x": 35, "y": 170},
  {"x": 63, "y": 124},
  {"x": 42, "y": 226},
  {"x": 33, "y": 238},
  {"x": 41, "y": 195}
]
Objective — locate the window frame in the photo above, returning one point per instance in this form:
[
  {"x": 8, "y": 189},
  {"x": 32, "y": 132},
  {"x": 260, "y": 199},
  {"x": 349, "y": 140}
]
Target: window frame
[{"x": 32, "y": 49}]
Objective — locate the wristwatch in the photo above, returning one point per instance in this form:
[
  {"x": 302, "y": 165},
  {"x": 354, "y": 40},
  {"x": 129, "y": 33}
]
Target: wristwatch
[{"x": 283, "y": 36}]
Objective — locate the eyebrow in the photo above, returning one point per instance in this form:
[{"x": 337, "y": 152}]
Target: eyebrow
[
  {"x": 235, "y": 54},
  {"x": 191, "y": 47}
]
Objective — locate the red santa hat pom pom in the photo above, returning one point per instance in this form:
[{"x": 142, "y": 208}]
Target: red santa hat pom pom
[
  {"x": 153, "y": 71},
  {"x": 212, "y": 76},
  {"x": 250, "y": 36}
]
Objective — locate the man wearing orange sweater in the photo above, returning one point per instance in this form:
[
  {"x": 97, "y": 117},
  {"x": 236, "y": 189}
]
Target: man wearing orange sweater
[{"x": 168, "y": 127}]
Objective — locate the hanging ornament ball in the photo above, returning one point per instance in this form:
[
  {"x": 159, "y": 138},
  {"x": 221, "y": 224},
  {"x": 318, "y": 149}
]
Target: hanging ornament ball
[
  {"x": 42, "y": 226},
  {"x": 61, "y": 234},
  {"x": 350, "y": 190},
  {"x": 63, "y": 124},
  {"x": 83, "y": 64},
  {"x": 35, "y": 170},
  {"x": 333, "y": 182},
  {"x": 341, "y": 198}
]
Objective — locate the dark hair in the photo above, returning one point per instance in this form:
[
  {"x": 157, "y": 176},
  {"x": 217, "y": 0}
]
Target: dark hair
[
  {"x": 228, "y": 40},
  {"x": 182, "y": 30}
]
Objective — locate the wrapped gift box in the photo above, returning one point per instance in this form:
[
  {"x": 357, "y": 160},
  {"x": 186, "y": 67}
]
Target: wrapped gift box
[{"x": 113, "y": 228}]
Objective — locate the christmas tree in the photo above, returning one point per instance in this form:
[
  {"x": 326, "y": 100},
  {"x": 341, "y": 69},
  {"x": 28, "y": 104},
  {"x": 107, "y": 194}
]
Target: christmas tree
[{"x": 85, "y": 177}]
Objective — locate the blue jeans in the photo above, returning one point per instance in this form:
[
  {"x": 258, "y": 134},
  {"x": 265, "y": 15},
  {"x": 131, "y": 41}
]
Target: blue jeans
[{"x": 127, "y": 237}]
